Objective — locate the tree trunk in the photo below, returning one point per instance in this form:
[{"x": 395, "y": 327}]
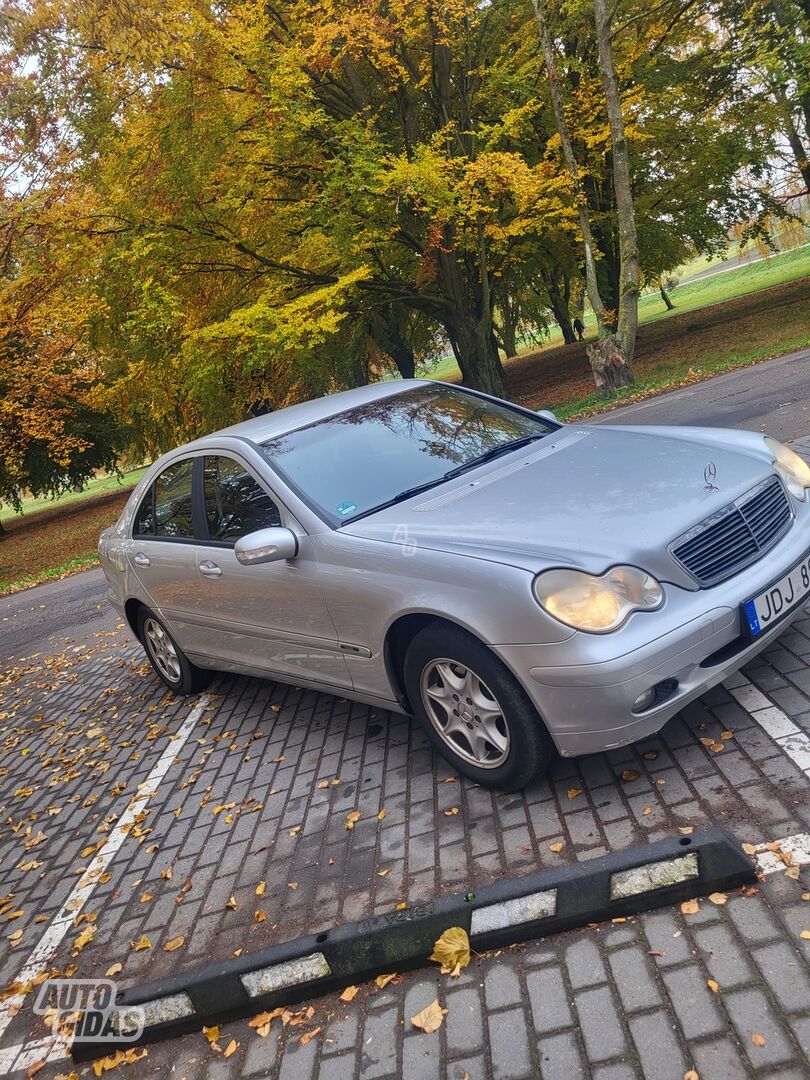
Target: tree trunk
[
  {"x": 610, "y": 369},
  {"x": 569, "y": 158},
  {"x": 665, "y": 298},
  {"x": 627, "y": 321},
  {"x": 467, "y": 317},
  {"x": 559, "y": 306},
  {"x": 800, "y": 152},
  {"x": 508, "y": 328},
  {"x": 476, "y": 352},
  {"x": 387, "y": 334}
]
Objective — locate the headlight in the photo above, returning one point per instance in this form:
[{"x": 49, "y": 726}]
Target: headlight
[
  {"x": 597, "y": 604},
  {"x": 794, "y": 470}
]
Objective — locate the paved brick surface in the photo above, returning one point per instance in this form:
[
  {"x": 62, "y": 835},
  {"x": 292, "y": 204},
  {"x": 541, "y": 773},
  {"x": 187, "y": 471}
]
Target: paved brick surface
[{"x": 253, "y": 797}]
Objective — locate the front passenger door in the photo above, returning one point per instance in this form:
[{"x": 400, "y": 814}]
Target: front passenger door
[{"x": 270, "y": 617}]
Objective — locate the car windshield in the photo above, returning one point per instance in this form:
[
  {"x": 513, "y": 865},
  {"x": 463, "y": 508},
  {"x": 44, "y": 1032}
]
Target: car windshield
[{"x": 348, "y": 465}]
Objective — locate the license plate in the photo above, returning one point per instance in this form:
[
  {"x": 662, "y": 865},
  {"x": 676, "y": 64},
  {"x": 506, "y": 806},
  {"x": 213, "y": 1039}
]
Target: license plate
[{"x": 778, "y": 599}]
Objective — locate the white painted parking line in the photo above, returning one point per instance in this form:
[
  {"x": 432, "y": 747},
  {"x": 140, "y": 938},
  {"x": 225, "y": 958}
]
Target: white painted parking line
[
  {"x": 796, "y": 848},
  {"x": 39, "y": 959},
  {"x": 787, "y": 736}
]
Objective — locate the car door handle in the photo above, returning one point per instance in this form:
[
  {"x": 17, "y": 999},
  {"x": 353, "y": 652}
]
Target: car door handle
[
  {"x": 210, "y": 569},
  {"x": 140, "y": 559}
]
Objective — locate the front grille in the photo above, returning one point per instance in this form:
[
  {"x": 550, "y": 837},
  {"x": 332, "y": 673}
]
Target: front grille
[{"x": 737, "y": 535}]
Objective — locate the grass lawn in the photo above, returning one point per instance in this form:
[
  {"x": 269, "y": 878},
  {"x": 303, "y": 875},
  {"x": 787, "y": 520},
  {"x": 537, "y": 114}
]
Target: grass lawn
[
  {"x": 742, "y": 281},
  {"x": 57, "y": 541},
  {"x": 687, "y": 347},
  {"x": 100, "y": 485}
]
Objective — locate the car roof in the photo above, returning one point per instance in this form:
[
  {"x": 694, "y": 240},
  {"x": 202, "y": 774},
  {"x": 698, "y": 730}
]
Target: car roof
[{"x": 262, "y": 428}]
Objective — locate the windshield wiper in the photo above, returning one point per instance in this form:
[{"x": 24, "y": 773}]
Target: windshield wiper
[{"x": 495, "y": 452}]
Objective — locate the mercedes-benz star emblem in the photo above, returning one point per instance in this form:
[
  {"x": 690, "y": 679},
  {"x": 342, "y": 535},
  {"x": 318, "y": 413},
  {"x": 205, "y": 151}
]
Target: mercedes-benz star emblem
[{"x": 710, "y": 475}]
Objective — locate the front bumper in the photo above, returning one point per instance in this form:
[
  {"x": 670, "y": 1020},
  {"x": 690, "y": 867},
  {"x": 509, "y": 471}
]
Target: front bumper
[{"x": 585, "y": 687}]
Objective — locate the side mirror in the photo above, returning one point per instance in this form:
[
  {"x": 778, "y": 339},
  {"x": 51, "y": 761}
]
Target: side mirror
[
  {"x": 547, "y": 414},
  {"x": 266, "y": 545}
]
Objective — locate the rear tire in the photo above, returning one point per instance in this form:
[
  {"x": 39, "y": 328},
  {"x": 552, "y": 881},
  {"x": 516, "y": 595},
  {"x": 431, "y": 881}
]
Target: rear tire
[
  {"x": 170, "y": 663},
  {"x": 474, "y": 710}
]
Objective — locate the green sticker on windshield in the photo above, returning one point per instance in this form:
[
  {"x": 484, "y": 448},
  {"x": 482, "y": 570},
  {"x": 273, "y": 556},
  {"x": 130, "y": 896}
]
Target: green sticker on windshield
[{"x": 346, "y": 508}]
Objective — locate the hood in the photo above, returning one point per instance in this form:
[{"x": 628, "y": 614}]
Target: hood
[{"x": 588, "y": 497}]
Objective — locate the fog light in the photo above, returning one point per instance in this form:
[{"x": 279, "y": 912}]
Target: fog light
[
  {"x": 645, "y": 700},
  {"x": 656, "y": 695}
]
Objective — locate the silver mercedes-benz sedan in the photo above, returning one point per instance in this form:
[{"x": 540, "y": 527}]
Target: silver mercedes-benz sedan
[{"x": 518, "y": 584}]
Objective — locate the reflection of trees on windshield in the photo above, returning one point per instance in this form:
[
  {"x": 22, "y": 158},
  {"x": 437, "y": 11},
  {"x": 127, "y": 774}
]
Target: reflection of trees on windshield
[{"x": 440, "y": 422}]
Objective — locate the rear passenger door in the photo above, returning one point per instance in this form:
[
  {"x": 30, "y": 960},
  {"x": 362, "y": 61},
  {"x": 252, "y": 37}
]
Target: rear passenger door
[
  {"x": 163, "y": 552},
  {"x": 270, "y": 617}
]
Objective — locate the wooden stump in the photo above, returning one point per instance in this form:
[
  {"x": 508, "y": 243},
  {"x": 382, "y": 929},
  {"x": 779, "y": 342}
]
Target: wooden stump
[{"x": 610, "y": 369}]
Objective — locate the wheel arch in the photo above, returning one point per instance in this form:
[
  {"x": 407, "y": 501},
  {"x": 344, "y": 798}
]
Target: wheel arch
[
  {"x": 131, "y": 610},
  {"x": 398, "y": 637}
]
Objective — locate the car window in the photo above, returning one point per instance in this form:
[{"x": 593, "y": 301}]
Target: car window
[
  {"x": 235, "y": 504},
  {"x": 348, "y": 464},
  {"x": 173, "y": 515},
  {"x": 144, "y": 524}
]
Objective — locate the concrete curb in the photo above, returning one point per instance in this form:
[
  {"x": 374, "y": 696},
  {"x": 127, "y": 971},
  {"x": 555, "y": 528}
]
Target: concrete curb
[{"x": 622, "y": 883}]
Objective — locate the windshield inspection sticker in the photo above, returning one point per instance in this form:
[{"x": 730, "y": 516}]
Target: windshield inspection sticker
[{"x": 346, "y": 508}]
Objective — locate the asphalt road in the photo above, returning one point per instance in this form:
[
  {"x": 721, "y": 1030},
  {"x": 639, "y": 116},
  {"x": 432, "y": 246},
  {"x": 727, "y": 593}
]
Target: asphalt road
[{"x": 772, "y": 397}]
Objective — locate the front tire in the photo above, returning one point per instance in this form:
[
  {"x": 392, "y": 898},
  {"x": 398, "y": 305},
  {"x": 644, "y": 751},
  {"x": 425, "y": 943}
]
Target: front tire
[
  {"x": 171, "y": 664},
  {"x": 473, "y": 710}
]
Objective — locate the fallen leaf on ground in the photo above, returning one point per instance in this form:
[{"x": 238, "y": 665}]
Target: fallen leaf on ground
[
  {"x": 690, "y": 907},
  {"x": 573, "y": 792},
  {"x": 230, "y": 1048},
  {"x": 629, "y": 774},
  {"x": 85, "y": 937},
  {"x": 383, "y": 980},
  {"x": 351, "y": 819},
  {"x": 349, "y": 993},
  {"x": 431, "y": 1018},
  {"x": 175, "y": 943},
  {"x": 261, "y": 1023},
  {"x": 718, "y": 898},
  {"x": 452, "y": 951},
  {"x": 690, "y": 1074},
  {"x": 555, "y": 847},
  {"x": 120, "y": 1057},
  {"x": 647, "y": 810},
  {"x": 401, "y": 906},
  {"x": 113, "y": 970},
  {"x": 749, "y": 849},
  {"x": 308, "y": 1036},
  {"x": 231, "y": 903},
  {"x": 805, "y": 934},
  {"x": 260, "y": 888},
  {"x": 138, "y": 946},
  {"x": 381, "y": 815},
  {"x": 686, "y": 830},
  {"x": 758, "y": 1040},
  {"x": 713, "y": 985},
  {"x": 382, "y": 873},
  {"x": 451, "y": 812},
  {"x": 651, "y": 755},
  {"x": 260, "y": 916},
  {"x": 212, "y": 1033}
]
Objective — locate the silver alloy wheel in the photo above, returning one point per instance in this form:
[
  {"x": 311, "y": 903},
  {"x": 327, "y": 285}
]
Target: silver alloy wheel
[
  {"x": 465, "y": 713},
  {"x": 161, "y": 649}
]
